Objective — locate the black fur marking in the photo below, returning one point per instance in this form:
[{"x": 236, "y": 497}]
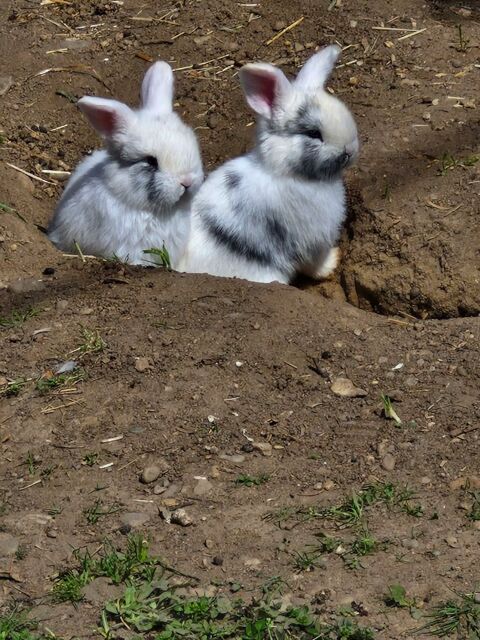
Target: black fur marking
[
  {"x": 235, "y": 243},
  {"x": 232, "y": 179},
  {"x": 311, "y": 167},
  {"x": 276, "y": 230}
]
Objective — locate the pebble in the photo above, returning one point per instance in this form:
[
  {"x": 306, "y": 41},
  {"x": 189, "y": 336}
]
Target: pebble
[
  {"x": 8, "y": 545},
  {"x": 233, "y": 46},
  {"x": 247, "y": 447},
  {"x": 452, "y": 541},
  {"x": 214, "y": 472},
  {"x": 209, "y": 543},
  {"x": 181, "y": 517},
  {"x": 217, "y": 561},
  {"x": 153, "y": 471},
  {"x": 279, "y": 25},
  {"x": 252, "y": 563},
  {"x": 143, "y": 364},
  {"x": 236, "y": 458},
  {"x": 410, "y": 543},
  {"x": 265, "y": 448},
  {"x": 26, "y": 285},
  {"x": 158, "y": 489},
  {"x": 134, "y": 520},
  {"x": 203, "y": 487},
  {"x": 328, "y": 485},
  {"x": 212, "y": 121},
  {"x": 388, "y": 462},
  {"x": 172, "y": 490},
  {"x": 345, "y": 388},
  {"x": 425, "y": 480},
  {"x": 52, "y": 533},
  {"x": 5, "y": 83}
]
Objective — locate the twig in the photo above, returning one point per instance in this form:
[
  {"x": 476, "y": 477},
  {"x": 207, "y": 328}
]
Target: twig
[
  {"x": 410, "y": 35},
  {"x": 32, "y": 484},
  {"x": 79, "y": 251},
  {"x": 289, "y": 28},
  {"x": 30, "y": 175}
]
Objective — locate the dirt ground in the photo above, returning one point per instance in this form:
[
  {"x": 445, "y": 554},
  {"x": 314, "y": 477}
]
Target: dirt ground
[{"x": 214, "y": 379}]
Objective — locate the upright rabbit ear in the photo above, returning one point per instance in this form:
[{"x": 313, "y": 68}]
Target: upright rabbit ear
[
  {"x": 157, "y": 88},
  {"x": 264, "y": 86},
  {"x": 108, "y": 117},
  {"x": 315, "y": 72}
]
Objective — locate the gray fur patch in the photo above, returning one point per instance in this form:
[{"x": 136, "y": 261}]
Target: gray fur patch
[
  {"x": 310, "y": 166},
  {"x": 232, "y": 179},
  {"x": 235, "y": 242}
]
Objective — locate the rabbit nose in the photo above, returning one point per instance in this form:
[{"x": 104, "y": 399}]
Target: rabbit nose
[{"x": 186, "y": 180}]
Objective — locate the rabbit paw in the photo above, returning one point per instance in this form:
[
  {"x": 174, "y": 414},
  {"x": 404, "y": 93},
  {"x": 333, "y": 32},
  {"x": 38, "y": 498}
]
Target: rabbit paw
[{"x": 329, "y": 264}]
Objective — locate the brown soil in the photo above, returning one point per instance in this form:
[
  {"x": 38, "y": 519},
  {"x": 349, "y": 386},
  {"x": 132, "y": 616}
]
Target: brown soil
[{"x": 223, "y": 361}]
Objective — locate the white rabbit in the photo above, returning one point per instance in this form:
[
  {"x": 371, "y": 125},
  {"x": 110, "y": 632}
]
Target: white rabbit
[
  {"x": 277, "y": 211},
  {"x": 136, "y": 193}
]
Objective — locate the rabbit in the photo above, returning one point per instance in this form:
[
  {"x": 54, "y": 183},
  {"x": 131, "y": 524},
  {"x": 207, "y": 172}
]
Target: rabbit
[
  {"x": 136, "y": 193},
  {"x": 277, "y": 211}
]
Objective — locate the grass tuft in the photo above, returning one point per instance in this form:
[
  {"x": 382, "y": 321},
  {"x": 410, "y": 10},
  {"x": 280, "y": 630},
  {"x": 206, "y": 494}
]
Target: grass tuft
[{"x": 460, "y": 617}]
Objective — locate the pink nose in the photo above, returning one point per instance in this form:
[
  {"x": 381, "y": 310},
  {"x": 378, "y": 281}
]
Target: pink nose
[{"x": 186, "y": 180}]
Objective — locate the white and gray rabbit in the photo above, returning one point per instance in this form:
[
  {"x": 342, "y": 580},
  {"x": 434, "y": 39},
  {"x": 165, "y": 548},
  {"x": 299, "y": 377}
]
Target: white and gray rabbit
[
  {"x": 278, "y": 210},
  {"x": 136, "y": 193}
]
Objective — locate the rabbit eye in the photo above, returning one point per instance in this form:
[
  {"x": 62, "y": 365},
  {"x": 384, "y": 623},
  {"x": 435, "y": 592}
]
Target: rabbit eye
[
  {"x": 316, "y": 134},
  {"x": 152, "y": 162}
]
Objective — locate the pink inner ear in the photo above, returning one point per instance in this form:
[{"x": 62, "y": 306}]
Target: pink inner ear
[
  {"x": 267, "y": 87},
  {"x": 264, "y": 86},
  {"x": 105, "y": 120}
]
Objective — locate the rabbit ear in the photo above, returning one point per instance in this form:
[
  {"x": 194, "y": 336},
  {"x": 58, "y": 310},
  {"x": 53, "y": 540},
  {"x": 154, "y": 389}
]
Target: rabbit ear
[
  {"x": 108, "y": 117},
  {"x": 264, "y": 86},
  {"x": 157, "y": 88},
  {"x": 315, "y": 71}
]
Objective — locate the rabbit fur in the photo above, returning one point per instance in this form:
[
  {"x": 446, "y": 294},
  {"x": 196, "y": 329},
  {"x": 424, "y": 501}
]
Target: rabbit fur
[
  {"x": 136, "y": 193},
  {"x": 277, "y": 211}
]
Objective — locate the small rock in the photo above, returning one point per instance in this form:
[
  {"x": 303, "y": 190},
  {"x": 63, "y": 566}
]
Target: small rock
[
  {"x": 209, "y": 543},
  {"x": 427, "y": 116},
  {"x": 203, "y": 487},
  {"x": 265, "y": 448},
  {"x": 217, "y": 561},
  {"x": 425, "y": 480},
  {"x": 214, "y": 472},
  {"x": 212, "y": 121},
  {"x": 233, "y": 46},
  {"x": 299, "y": 47},
  {"x": 158, "y": 489},
  {"x": 143, "y": 364},
  {"x": 236, "y": 458},
  {"x": 345, "y": 388},
  {"x": 86, "y": 311},
  {"x": 279, "y": 25},
  {"x": 410, "y": 543},
  {"x": 172, "y": 490},
  {"x": 26, "y": 285},
  {"x": 252, "y": 563},
  {"x": 452, "y": 541},
  {"x": 134, "y": 520},
  {"x": 5, "y": 83},
  {"x": 388, "y": 462},
  {"x": 247, "y": 447},
  {"x": 52, "y": 533},
  {"x": 318, "y": 486},
  {"x": 181, "y": 517},
  {"x": 328, "y": 485},
  {"x": 61, "y": 305},
  {"x": 48, "y": 271},
  {"x": 8, "y": 545},
  {"x": 153, "y": 471}
]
